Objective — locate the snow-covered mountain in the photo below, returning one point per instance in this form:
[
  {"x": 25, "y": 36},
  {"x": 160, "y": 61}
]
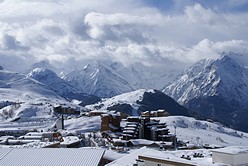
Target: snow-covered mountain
[
  {"x": 42, "y": 64},
  {"x": 106, "y": 79},
  {"x": 145, "y": 77},
  {"x": 60, "y": 86},
  {"x": 131, "y": 74},
  {"x": 216, "y": 88},
  {"x": 23, "y": 97},
  {"x": 133, "y": 103},
  {"x": 98, "y": 79}
]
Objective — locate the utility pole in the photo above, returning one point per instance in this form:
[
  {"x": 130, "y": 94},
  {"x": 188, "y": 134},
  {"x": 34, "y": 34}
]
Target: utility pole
[
  {"x": 175, "y": 138},
  {"x": 63, "y": 125}
]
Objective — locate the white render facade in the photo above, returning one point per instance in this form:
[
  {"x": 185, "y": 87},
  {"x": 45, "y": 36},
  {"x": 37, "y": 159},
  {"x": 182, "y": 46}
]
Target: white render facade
[{"x": 234, "y": 156}]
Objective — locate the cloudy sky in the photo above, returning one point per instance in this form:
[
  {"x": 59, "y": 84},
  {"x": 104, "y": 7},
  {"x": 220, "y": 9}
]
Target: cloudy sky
[{"x": 151, "y": 32}]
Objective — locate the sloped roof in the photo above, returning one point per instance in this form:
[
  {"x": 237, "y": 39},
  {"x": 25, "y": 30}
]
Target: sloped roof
[
  {"x": 232, "y": 150},
  {"x": 50, "y": 157},
  {"x": 129, "y": 159}
]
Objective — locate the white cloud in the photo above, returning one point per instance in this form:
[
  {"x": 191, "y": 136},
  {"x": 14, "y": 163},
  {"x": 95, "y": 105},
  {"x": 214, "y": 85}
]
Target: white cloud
[
  {"x": 118, "y": 26},
  {"x": 198, "y": 14},
  {"x": 72, "y": 32}
]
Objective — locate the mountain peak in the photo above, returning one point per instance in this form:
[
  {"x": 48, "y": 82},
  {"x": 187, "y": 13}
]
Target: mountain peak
[
  {"x": 1, "y": 68},
  {"x": 44, "y": 64},
  {"x": 94, "y": 66},
  {"x": 98, "y": 79},
  {"x": 205, "y": 76},
  {"x": 226, "y": 58},
  {"x": 214, "y": 87},
  {"x": 60, "y": 86},
  {"x": 37, "y": 73},
  {"x": 241, "y": 59}
]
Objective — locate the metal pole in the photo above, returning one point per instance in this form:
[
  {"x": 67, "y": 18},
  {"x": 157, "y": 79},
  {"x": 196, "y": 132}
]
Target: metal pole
[{"x": 175, "y": 138}]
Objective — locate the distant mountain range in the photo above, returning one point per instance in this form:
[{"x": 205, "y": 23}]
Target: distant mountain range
[
  {"x": 24, "y": 97},
  {"x": 107, "y": 79},
  {"x": 98, "y": 80},
  {"x": 60, "y": 86},
  {"x": 215, "y": 88},
  {"x": 34, "y": 95}
]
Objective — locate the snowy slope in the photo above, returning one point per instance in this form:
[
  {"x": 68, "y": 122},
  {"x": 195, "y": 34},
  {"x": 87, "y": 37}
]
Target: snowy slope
[
  {"x": 17, "y": 81},
  {"x": 133, "y": 74},
  {"x": 23, "y": 97},
  {"x": 187, "y": 129},
  {"x": 209, "y": 78},
  {"x": 99, "y": 80},
  {"x": 83, "y": 124},
  {"x": 60, "y": 86},
  {"x": 145, "y": 77},
  {"x": 203, "y": 132},
  {"x": 217, "y": 88},
  {"x": 133, "y": 103},
  {"x": 129, "y": 98},
  {"x": 107, "y": 79}
]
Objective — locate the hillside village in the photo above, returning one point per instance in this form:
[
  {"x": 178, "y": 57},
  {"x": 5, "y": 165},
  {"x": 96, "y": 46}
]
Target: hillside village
[{"x": 137, "y": 140}]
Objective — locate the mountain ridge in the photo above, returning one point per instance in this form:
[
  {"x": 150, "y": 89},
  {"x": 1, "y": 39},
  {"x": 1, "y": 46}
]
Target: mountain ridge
[
  {"x": 60, "y": 86},
  {"x": 216, "y": 88},
  {"x": 98, "y": 80}
]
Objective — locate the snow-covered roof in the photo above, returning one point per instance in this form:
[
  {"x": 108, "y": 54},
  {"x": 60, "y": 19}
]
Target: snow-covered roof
[
  {"x": 30, "y": 144},
  {"x": 12, "y": 130},
  {"x": 232, "y": 150},
  {"x": 35, "y": 137},
  {"x": 119, "y": 140},
  {"x": 4, "y": 151},
  {"x": 99, "y": 111},
  {"x": 69, "y": 140},
  {"x": 112, "y": 155},
  {"x": 128, "y": 131},
  {"x": 130, "y": 128},
  {"x": 141, "y": 142},
  {"x": 6, "y": 137},
  {"x": 160, "y": 110},
  {"x": 129, "y": 159},
  {"x": 50, "y": 157},
  {"x": 133, "y": 125}
]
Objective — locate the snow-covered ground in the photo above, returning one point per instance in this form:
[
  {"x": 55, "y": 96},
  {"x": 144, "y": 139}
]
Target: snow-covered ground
[
  {"x": 203, "y": 132},
  {"x": 42, "y": 124},
  {"x": 25, "y": 98},
  {"x": 125, "y": 98},
  {"x": 83, "y": 124}
]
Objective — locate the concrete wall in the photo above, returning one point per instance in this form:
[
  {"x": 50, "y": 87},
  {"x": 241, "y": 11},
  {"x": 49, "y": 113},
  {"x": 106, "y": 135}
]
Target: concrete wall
[
  {"x": 153, "y": 161},
  {"x": 241, "y": 158},
  {"x": 150, "y": 163},
  {"x": 222, "y": 158},
  {"x": 232, "y": 159}
]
